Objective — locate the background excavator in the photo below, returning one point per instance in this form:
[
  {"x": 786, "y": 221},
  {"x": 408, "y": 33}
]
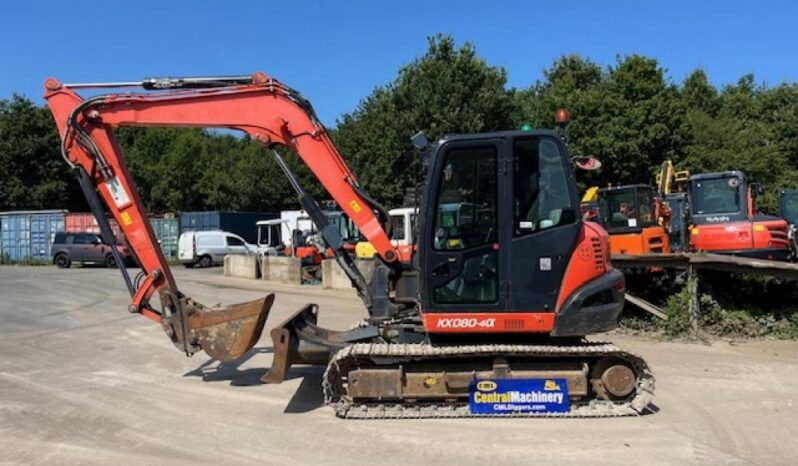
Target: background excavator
[
  {"x": 788, "y": 210},
  {"x": 635, "y": 218},
  {"x": 507, "y": 291},
  {"x": 671, "y": 189},
  {"x": 724, "y": 218}
]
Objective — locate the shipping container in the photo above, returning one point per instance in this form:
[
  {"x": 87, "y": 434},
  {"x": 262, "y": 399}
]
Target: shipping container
[
  {"x": 84, "y": 222},
  {"x": 29, "y": 234},
  {"x": 167, "y": 229},
  {"x": 240, "y": 223}
]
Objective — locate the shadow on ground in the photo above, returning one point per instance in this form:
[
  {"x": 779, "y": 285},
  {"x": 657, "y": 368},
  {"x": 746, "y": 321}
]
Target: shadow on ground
[
  {"x": 307, "y": 397},
  {"x": 231, "y": 371}
]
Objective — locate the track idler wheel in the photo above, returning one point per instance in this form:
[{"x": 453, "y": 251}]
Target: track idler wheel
[{"x": 613, "y": 379}]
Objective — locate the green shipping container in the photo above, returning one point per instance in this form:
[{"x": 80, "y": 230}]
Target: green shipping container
[{"x": 168, "y": 231}]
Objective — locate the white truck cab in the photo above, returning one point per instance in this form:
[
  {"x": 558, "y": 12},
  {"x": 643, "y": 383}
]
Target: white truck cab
[
  {"x": 402, "y": 221},
  {"x": 272, "y": 237}
]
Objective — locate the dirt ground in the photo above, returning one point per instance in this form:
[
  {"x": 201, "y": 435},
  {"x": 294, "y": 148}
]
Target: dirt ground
[{"x": 84, "y": 382}]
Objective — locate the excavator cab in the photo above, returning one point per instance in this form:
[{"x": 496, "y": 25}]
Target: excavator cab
[
  {"x": 788, "y": 210},
  {"x": 630, "y": 216},
  {"x": 788, "y": 206},
  {"x": 499, "y": 226},
  {"x": 718, "y": 197}
]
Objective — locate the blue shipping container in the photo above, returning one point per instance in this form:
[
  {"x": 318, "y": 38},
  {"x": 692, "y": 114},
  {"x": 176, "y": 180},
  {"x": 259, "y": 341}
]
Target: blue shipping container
[
  {"x": 29, "y": 234},
  {"x": 240, "y": 223}
]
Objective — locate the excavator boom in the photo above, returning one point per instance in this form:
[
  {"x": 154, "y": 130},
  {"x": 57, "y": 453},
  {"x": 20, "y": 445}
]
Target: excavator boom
[{"x": 265, "y": 109}]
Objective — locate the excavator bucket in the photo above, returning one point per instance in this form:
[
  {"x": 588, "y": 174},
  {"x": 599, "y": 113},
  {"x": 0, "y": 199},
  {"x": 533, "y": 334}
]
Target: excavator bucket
[{"x": 227, "y": 332}]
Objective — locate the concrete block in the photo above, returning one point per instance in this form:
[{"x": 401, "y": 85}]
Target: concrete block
[
  {"x": 282, "y": 269},
  {"x": 333, "y": 276},
  {"x": 241, "y": 265}
]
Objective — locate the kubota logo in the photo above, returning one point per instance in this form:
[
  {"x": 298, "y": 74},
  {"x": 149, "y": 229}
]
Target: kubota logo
[
  {"x": 486, "y": 386},
  {"x": 718, "y": 218}
]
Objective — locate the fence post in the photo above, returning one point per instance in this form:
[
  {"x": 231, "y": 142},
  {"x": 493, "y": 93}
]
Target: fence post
[{"x": 695, "y": 304}]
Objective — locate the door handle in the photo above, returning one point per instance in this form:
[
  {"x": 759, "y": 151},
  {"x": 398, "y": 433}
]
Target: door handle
[{"x": 444, "y": 268}]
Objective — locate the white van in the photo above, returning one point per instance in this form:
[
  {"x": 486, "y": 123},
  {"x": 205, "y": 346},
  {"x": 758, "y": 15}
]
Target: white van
[{"x": 206, "y": 248}]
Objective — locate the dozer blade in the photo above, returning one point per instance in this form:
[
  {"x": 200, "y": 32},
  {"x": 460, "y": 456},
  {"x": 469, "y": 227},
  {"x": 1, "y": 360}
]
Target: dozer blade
[
  {"x": 296, "y": 341},
  {"x": 227, "y": 332},
  {"x": 299, "y": 340}
]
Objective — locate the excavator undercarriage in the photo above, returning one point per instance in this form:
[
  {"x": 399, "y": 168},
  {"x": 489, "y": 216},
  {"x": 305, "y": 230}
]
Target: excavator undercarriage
[
  {"x": 371, "y": 376},
  {"x": 503, "y": 284}
]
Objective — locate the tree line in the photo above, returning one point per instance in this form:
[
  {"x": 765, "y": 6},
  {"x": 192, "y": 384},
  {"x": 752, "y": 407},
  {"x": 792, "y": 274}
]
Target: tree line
[{"x": 628, "y": 114}]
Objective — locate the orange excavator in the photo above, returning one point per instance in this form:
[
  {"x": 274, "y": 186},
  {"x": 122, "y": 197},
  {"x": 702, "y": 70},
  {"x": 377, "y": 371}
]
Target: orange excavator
[
  {"x": 503, "y": 295},
  {"x": 725, "y": 220},
  {"x": 635, "y": 218}
]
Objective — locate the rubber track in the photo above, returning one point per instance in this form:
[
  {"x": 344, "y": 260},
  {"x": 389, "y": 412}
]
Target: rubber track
[{"x": 348, "y": 357}]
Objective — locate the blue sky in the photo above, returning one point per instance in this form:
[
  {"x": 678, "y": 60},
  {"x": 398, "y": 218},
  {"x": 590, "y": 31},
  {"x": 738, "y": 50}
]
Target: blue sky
[{"x": 337, "y": 53}]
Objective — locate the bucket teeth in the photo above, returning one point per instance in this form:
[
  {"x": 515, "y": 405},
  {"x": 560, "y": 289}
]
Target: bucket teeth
[{"x": 227, "y": 333}]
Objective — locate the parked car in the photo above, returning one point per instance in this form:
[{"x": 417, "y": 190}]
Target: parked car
[
  {"x": 206, "y": 248},
  {"x": 85, "y": 248}
]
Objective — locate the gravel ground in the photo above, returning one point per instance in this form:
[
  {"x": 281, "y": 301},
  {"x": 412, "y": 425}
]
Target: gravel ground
[{"x": 84, "y": 382}]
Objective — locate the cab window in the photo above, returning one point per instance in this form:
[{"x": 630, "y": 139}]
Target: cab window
[
  {"x": 398, "y": 227},
  {"x": 466, "y": 207},
  {"x": 718, "y": 196},
  {"x": 541, "y": 192},
  {"x": 619, "y": 209},
  {"x": 789, "y": 207}
]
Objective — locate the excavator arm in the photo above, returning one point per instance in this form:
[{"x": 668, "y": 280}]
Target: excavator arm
[{"x": 264, "y": 108}]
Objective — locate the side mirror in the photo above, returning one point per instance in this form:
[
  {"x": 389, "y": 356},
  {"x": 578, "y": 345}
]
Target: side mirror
[
  {"x": 586, "y": 162},
  {"x": 567, "y": 215},
  {"x": 420, "y": 140}
]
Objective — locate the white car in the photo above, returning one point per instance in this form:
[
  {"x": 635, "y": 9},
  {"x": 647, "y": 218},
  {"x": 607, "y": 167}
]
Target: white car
[{"x": 206, "y": 248}]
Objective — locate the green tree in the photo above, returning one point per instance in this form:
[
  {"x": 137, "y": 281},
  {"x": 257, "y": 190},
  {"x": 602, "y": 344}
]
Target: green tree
[
  {"x": 448, "y": 90},
  {"x": 738, "y": 133},
  {"x": 629, "y": 115},
  {"x": 33, "y": 174},
  {"x": 191, "y": 169},
  {"x": 637, "y": 124}
]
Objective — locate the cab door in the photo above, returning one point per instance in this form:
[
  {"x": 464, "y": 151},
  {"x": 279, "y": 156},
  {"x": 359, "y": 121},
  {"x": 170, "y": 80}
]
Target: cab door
[
  {"x": 544, "y": 224},
  {"x": 465, "y": 218}
]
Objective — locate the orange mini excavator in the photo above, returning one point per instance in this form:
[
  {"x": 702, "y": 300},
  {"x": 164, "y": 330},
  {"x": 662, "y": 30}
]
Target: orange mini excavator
[
  {"x": 504, "y": 294},
  {"x": 635, "y": 218}
]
